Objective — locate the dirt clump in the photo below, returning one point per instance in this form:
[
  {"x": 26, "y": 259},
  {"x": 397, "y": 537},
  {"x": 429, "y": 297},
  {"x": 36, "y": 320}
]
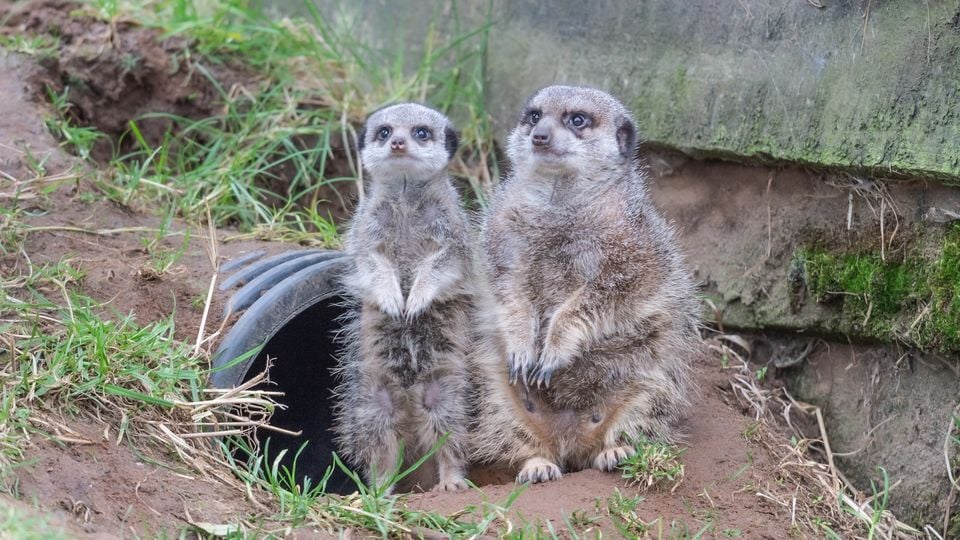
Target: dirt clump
[
  {"x": 886, "y": 408},
  {"x": 24, "y": 140},
  {"x": 114, "y": 72}
]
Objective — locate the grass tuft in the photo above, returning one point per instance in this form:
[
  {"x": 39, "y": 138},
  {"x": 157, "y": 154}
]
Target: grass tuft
[
  {"x": 41, "y": 46},
  {"x": 654, "y": 463},
  {"x": 19, "y": 522},
  {"x": 302, "y": 502},
  {"x": 77, "y": 139}
]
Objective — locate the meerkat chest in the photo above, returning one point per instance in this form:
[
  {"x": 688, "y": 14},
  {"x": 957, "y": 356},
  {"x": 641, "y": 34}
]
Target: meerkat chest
[
  {"x": 565, "y": 250},
  {"x": 410, "y": 233}
]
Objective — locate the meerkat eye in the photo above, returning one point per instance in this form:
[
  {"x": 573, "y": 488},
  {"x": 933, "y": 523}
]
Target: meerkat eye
[
  {"x": 383, "y": 133},
  {"x": 579, "y": 120},
  {"x": 422, "y": 133},
  {"x": 533, "y": 116}
]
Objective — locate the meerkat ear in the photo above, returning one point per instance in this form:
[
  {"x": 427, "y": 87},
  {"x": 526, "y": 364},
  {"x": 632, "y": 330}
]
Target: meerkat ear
[
  {"x": 452, "y": 141},
  {"x": 361, "y": 138},
  {"x": 626, "y": 137}
]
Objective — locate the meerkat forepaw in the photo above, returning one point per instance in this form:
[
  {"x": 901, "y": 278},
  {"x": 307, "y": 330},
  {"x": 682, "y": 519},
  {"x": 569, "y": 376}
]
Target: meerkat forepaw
[
  {"x": 450, "y": 485},
  {"x": 413, "y": 311},
  {"x": 549, "y": 362},
  {"x": 391, "y": 304},
  {"x": 417, "y": 302},
  {"x": 610, "y": 458},
  {"x": 540, "y": 376},
  {"x": 518, "y": 364},
  {"x": 537, "y": 470}
]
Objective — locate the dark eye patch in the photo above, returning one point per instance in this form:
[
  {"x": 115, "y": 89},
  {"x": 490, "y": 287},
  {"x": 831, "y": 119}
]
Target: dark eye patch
[
  {"x": 579, "y": 120},
  {"x": 532, "y": 116},
  {"x": 451, "y": 140},
  {"x": 383, "y": 133},
  {"x": 422, "y": 133}
]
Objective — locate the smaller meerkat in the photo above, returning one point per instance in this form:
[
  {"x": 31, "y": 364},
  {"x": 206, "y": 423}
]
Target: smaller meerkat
[
  {"x": 403, "y": 372},
  {"x": 593, "y": 317}
]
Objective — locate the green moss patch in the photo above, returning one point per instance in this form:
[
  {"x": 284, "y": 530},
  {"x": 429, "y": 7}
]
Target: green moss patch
[{"x": 915, "y": 299}]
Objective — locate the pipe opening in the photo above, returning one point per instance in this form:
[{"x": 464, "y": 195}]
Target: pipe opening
[{"x": 303, "y": 354}]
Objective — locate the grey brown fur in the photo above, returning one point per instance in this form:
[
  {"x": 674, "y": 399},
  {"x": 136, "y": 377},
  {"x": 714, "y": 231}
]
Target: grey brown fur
[
  {"x": 592, "y": 319},
  {"x": 404, "y": 377}
]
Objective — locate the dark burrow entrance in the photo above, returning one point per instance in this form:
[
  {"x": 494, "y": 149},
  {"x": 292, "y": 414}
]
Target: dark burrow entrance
[
  {"x": 303, "y": 353},
  {"x": 289, "y": 304}
]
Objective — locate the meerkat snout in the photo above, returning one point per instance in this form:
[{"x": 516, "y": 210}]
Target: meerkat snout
[{"x": 541, "y": 135}]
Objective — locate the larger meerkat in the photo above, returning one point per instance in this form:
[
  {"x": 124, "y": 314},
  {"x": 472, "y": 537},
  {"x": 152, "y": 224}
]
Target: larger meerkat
[
  {"x": 594, "y": 313},
  {"x": 404, "y": 378}
]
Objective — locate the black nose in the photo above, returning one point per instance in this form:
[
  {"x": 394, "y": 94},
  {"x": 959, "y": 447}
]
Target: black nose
[
  {"x": 398, "y": 144},
  {"x": 541, "y": 137}
]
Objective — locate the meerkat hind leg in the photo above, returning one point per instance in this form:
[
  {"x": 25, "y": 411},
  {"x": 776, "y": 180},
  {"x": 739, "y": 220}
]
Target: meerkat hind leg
[
  {"x": 639, "y": 416},
  {"x": 444, "y": 415},
  {"x": 375, "y": 430},
  {"x": 450, "y": 471},
  {"x": 383, "y": 465}
]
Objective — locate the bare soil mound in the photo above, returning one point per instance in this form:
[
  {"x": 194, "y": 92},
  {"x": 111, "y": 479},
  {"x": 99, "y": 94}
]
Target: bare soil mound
[
  {"x": 103, "y": 488},
  {"x": 730, "y": 485},
  {"x": 116, "y": 72}
]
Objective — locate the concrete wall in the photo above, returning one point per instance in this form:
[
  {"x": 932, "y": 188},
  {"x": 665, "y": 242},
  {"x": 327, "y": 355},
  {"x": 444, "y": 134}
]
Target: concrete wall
[
  {"x": 855, "y": 85},
  {"x": 869, "y": 85}
]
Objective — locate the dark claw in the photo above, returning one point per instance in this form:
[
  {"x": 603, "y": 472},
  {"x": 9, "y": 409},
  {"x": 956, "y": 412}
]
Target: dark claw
[
  {"x": 541, "y": 376},
  {"x": 531, "y": 379},
  {"x": 518, "y": 369}
]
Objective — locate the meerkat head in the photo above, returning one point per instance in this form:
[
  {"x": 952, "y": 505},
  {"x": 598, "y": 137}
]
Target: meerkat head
[
  {"x": 572, "y": 129},
  {"x": 406, "y": 140}
]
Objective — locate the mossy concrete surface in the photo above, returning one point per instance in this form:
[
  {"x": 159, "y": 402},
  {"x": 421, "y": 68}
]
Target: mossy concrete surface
[
  {"x": 855, "y": 85},
  {"x": 913, "y": 296},
  {"x": 795, "y": 251}
]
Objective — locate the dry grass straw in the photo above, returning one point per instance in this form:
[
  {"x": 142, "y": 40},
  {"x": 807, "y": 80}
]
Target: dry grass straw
[
  {"x": 878, "y": 198},
  {"x": 49, "y": 372},
  {"x": 193, "y": 427},
  {"x": 820, "y": 500}
]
